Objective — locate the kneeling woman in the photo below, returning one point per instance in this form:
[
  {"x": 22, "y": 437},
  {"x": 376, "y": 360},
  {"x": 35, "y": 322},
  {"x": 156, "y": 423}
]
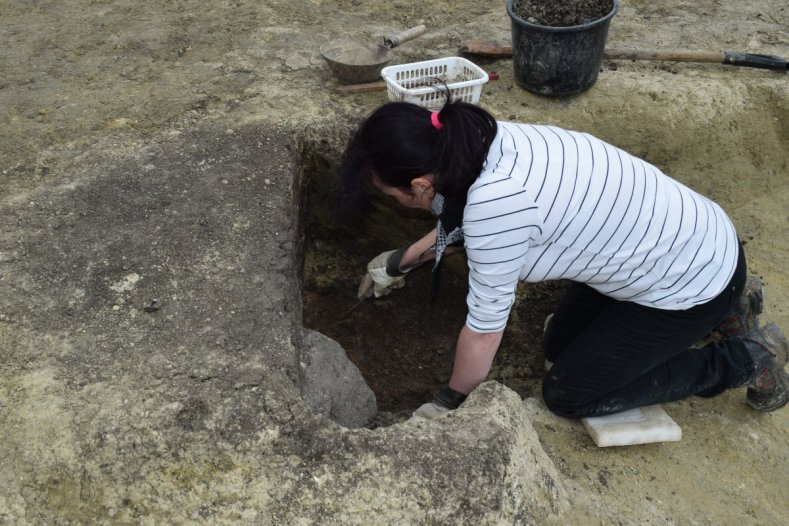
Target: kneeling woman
[{"x": 655, "y": 266}]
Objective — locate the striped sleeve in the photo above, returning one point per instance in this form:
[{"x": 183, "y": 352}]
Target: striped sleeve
[{"x": 499, "y": 222}]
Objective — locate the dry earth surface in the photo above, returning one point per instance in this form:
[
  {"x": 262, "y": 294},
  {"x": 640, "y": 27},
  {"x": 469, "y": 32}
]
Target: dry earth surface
[{"x": 110, "y": 414}]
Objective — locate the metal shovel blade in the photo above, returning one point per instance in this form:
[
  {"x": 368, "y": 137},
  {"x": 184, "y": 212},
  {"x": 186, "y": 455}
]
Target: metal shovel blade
[{"x": 353, "y": 62}]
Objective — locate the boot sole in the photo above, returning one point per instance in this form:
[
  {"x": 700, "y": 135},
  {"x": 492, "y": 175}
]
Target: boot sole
[
  {"x": 779, "y": 343},
  {"x": 754, "y": 290},
  {"x": 753, "y": 296},
  {"x": 781, "y": 401}
]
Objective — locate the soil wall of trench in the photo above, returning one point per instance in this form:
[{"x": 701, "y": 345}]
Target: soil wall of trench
[{"x": 161, "y": 253}]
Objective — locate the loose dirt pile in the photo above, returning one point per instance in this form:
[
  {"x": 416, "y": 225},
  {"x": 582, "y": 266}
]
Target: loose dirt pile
[{"x": 561, "y": 14}]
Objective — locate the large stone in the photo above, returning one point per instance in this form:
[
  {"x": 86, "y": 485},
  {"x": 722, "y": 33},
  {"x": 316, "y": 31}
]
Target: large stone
[
  {"x": 331, "y": 384},
  {"x": 482, "y": 464}
]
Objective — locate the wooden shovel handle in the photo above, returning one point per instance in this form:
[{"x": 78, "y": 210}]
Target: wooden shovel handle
[
  {"x": 671, "y": 55},
  {"x": 489, "y": 48},
  {"x": 734, "y": 58}
]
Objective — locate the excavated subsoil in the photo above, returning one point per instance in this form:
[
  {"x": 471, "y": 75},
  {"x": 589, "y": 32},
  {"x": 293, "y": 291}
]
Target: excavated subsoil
[{"x": 404, "y": 344}]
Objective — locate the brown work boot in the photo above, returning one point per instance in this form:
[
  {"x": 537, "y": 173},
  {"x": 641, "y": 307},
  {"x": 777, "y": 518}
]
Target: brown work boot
[
  {"x": 768, "y": 390},
  {"x": 745, "y": 315}
]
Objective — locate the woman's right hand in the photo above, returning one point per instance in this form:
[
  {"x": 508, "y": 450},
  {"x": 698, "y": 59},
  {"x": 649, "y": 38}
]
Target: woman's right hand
[{"x": 378, "y": 281}]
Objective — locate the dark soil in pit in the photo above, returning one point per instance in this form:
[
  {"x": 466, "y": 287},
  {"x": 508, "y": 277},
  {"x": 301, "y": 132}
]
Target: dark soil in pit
[
  {"x": 403, "y": 345},
  {"x": 561, "y": 14}
]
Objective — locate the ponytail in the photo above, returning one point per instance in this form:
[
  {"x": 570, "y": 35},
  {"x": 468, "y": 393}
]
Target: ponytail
[{"x": 467, "y": 135}]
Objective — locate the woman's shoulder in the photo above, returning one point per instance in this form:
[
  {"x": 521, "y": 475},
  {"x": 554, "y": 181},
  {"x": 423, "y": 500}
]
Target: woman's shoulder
[{"x": 492, "y": 185}]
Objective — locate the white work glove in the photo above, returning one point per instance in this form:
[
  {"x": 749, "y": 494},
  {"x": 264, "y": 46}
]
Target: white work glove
[
  {"x": 429, "y": 411},
  {"x": 444, "y": 401},
  {"x": 383, "y": 275}
]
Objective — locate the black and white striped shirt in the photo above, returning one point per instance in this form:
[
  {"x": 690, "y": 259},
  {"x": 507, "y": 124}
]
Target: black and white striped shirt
[{"x": 556, "y": 204}]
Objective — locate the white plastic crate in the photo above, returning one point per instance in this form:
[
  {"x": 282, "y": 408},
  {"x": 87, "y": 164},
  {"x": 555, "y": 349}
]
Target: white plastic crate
[{"x": 420, "y": 82}]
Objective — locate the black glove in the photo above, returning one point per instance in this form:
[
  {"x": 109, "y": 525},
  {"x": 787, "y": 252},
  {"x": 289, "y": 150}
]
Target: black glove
[{"x": 449, "y": 398}]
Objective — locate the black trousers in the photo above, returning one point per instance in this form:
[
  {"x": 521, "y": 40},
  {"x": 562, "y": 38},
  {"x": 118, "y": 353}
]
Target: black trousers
[{"x": 610, "y": 356}]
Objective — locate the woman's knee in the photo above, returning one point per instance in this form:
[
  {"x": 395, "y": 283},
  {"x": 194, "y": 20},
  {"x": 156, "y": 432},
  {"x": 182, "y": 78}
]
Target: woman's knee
[
  {"x": 552, "y": 346},
  {"x": 564, "y": 402}
]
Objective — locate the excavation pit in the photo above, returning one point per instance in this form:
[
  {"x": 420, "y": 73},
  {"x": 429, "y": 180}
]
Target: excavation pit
[{"x": 402, "y": 344}]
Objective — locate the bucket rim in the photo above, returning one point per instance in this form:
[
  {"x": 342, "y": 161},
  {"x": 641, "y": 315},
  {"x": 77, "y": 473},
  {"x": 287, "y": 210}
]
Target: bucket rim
[{"x": 563, "y": 29}]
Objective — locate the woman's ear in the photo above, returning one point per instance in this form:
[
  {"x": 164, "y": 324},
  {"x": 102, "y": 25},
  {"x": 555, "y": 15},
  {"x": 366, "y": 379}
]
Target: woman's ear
[{"x": 422, "y": 184}]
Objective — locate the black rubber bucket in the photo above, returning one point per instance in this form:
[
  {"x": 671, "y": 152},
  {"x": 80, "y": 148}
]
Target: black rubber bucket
[{"x": 558, "y": 61}]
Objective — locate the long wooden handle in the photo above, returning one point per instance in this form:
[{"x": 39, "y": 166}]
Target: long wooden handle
[
  {"x": 491, "y": 48},
  {"x": 672, "y": 55},
  {"x": 487, "y": 48}
]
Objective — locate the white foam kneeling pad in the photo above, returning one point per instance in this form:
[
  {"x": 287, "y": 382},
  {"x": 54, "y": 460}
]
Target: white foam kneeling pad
[{"x": 642, "y": 425}]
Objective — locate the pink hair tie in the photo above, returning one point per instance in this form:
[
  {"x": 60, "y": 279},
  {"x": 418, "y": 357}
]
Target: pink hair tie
[{"x": 434, "y": 120}]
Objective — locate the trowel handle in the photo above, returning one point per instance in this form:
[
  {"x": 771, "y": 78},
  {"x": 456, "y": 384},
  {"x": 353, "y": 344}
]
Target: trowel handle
[{"x": 408, "y": 34}]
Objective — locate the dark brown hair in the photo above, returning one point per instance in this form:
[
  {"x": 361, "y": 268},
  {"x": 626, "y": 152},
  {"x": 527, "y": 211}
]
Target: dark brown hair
[{"x": 398, "y": 143}]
